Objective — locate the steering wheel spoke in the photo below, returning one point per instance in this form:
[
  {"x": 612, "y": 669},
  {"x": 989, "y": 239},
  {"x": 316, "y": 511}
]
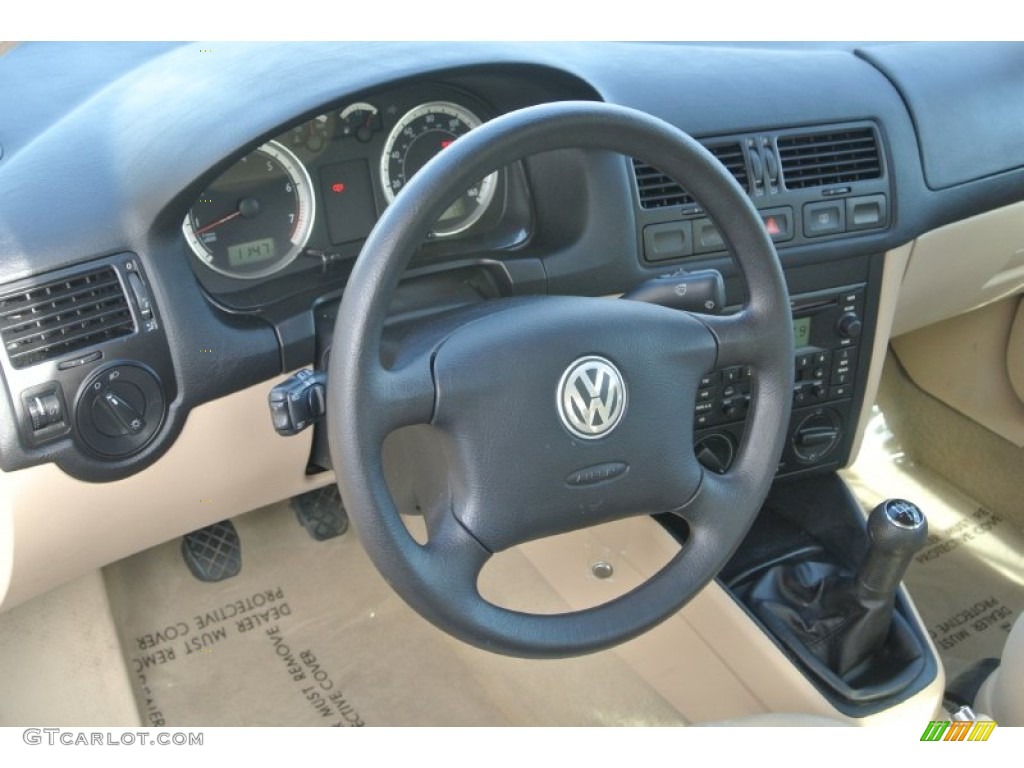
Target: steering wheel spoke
[
  {"x": 710, "y": 505},
  {"x": 740, "y": 338},
  {"x": 403, "y": 395}
]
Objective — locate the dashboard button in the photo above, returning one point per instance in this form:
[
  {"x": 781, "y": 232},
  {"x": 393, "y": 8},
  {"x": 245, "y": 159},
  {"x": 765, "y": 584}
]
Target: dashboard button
[
  {"x": 824, "y": 218},
  {"x": 867, "y": 212},
  {"x": 837, "y": 393},
  {"x": 707, "y": 237},
  {"x": 671, "y": 240},
  {"x": 778, "y": 222},
  {"x": 45, "y": 409}
]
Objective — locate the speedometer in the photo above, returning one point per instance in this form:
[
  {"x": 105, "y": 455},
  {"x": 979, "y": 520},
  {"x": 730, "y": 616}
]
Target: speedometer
[
  {"x": 419, "y": 135},
  {"x": 255, "y": 218}
]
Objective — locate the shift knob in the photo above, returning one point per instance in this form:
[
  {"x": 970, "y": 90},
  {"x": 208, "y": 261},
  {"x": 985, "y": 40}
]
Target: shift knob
[{"x": 897, "y": 529}]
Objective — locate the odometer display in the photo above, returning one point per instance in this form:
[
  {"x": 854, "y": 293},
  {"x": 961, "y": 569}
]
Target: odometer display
[
  {"x": 247, "y": 253},
  {"x": 256, "y": 217},
  {"x": 417, "y": 137}
]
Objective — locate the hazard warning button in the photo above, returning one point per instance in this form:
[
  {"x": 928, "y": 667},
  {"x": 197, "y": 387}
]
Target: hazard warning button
[{"x": 778, "y": 222}]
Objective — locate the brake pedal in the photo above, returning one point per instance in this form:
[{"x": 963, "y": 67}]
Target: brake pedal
[
  {"x": 213, "y": 553},
  {"x": 321, "y": 512}
]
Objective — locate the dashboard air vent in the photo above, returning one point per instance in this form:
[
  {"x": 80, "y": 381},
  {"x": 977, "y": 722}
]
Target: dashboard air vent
[
  {"x": 659, "y": 191},
  {"x": 62, "y": 316},
  {"x": 834, "y": 157}
]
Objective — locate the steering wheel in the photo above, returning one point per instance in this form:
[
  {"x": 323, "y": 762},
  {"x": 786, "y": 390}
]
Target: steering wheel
[{"x": 554, "y": 413}]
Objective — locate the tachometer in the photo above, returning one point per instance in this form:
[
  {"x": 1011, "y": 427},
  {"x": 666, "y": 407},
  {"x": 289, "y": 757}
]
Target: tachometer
[
  {"x": 255, "y": 218},
  {"x": 419, "y": 135}
]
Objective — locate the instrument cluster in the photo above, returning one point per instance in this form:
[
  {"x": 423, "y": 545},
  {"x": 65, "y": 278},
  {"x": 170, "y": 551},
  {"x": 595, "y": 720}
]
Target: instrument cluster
[{"x": 309, "y": 197}]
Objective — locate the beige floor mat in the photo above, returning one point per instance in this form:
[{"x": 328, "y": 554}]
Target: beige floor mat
[
  {"x": 968, "y": 580},
  {"x": 309, "y": 634}
]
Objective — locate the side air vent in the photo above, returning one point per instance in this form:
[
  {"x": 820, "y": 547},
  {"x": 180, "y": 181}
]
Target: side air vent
[
  {"x": 62, "y": 316},
  {"x": 834, "y": 157},
  {"x": 659, "y": 191}
]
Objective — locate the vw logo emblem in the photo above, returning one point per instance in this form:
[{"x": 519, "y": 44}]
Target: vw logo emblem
[{"x": 591, "y": 397}]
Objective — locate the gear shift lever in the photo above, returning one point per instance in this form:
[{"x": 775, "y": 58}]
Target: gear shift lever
[
  {"x": 897, "y": 529},
  {"x": 841, "y": 623}
]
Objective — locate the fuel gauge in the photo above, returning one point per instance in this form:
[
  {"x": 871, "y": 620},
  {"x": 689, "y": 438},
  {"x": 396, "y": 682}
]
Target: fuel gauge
[{"x": 360, "y": 120}]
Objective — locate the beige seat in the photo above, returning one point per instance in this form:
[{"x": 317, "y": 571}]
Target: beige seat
[{"x": 1002, "y": 695}]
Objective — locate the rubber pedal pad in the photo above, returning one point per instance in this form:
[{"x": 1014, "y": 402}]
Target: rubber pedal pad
[
  {"x": 213, "y": 553},
  {"x": 321, "y": 512}
]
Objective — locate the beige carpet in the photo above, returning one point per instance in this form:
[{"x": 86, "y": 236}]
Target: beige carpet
[
  {"x": 309, "y": 634},
  {"x": 968, "y": 580}
]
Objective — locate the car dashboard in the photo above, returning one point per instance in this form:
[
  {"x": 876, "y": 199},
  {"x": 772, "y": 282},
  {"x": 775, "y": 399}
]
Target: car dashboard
[{"x": 182, "y": 226}]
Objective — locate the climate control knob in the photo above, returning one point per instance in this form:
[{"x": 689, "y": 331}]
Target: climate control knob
[
  {"x": 816, "y": 435},
  {"x": 715, "y": 452}
]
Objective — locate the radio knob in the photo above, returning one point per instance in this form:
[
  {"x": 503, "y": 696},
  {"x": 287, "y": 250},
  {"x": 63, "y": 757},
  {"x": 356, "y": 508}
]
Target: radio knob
[{"x": 849, "y": 325}]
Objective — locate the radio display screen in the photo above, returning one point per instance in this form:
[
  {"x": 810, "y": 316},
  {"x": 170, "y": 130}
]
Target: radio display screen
[{"x": 801, "y": 332}]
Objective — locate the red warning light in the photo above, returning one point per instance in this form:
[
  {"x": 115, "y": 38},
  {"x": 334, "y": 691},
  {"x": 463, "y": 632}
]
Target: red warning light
[
  {"x": 445, "y": 144},
  {"x": 772, "y": 226},
  {"x": 337, "y": 187}
]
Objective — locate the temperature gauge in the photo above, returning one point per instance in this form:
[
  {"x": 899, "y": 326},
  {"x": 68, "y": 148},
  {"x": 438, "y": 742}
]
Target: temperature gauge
[{"x": 360, "y": 120}]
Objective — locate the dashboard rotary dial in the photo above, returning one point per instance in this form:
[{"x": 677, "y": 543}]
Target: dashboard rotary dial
[{"x": 418, "y": 136}]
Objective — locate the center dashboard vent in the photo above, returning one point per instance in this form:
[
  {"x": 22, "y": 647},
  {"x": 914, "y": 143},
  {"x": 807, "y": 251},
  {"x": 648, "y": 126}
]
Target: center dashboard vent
[
  {"x": 833, "y": 157},
  {"x": 659, "y": 191},
  {"x": 62, "y": 316}
]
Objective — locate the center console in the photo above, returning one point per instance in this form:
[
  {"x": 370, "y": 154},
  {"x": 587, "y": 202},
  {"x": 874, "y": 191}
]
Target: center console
[
  {"x": 824, "y": 586},
  {"x": 828, "y": 327}
]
